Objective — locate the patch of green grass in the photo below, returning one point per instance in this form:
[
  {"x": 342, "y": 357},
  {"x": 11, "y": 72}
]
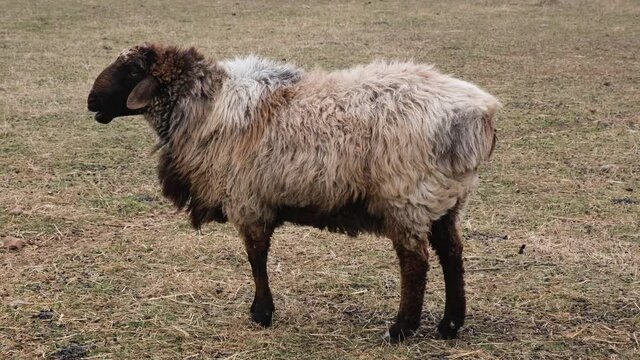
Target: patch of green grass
[{"x": 124, "y": 205}]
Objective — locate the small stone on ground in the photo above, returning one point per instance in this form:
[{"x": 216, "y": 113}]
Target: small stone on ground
[{"x": 13, "y": 243}]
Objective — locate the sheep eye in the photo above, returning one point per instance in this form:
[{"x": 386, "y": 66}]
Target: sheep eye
[{"x": 134, "y": 73}]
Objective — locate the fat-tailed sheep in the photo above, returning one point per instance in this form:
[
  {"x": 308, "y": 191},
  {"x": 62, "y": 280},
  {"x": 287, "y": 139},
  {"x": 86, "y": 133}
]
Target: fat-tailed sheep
[{"x": 391, "y": 148}]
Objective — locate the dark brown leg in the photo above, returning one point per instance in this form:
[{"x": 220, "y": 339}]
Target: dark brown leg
[
  {"x": 257, "y": 240},
  {"x": 445, "y": 239},
  {"x": 413, "y": 271}
]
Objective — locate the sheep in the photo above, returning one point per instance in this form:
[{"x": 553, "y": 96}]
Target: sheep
[{"x": 388, "y": 148}]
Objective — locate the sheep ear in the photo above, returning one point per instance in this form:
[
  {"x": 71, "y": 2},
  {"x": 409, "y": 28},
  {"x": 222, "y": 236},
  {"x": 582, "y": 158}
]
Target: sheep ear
[{"x": 142, "y": 94}]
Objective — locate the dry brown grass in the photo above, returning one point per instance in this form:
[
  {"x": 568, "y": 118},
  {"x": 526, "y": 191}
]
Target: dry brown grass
[{"x": 126, "y": 278}]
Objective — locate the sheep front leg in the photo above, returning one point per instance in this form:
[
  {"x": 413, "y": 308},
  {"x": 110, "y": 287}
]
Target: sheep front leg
[
  {"x": 445, "y": 239},
  {"x": 257, "y": 240},
  {"x": 413, "y": 271}
]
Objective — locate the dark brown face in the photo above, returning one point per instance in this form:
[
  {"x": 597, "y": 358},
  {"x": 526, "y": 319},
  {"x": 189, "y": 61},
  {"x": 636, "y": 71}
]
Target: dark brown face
[{"x": 125, "y": 87}]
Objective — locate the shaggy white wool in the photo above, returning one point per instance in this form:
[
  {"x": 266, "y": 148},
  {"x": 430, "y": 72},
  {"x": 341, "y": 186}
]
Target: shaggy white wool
[
  {"x": 401, "y": 136},
  {"x": 250, "y": 79}
]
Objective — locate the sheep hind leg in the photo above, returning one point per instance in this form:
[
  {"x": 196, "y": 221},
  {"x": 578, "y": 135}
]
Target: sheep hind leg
[
  {"x": 445, "y": 239},
  {"x": 413, "y": 271},
  {"x": 257, "y": 240}
]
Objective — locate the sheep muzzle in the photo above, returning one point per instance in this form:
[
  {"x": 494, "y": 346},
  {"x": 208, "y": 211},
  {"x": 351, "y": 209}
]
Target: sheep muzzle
[{"x": 114, "y": 85}]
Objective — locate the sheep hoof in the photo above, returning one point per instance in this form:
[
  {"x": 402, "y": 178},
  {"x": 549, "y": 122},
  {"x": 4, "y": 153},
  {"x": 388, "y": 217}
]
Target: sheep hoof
[
  {"x": 262, "y": 314},
  {"x": 398, "y": 333},
  {"x": 448, "y": 329},
  {"x": 262, "y": 318}
]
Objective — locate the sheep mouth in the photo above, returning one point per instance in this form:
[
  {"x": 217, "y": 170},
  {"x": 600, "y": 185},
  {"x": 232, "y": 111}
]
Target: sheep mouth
[{"x": 103, "y": 118}]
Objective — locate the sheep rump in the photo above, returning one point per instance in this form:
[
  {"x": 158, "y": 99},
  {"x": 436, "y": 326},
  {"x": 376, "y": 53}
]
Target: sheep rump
[{"x": 398, "y": 142}]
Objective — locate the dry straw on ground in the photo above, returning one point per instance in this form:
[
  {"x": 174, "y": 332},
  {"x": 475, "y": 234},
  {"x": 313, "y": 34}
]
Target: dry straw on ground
[{"x": 121, "y": 276}]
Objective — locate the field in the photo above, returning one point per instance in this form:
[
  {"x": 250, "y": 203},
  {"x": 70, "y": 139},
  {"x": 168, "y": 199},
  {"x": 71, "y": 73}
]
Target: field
[{"x": 111, "y": 271}]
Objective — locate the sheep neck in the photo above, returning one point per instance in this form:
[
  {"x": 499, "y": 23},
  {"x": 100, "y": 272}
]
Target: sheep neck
[
  {"x": 198, "y": 83},
  {"x": 176, "y": 116}
]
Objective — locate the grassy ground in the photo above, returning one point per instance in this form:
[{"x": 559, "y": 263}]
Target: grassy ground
[{"x": 125, "y": 277}]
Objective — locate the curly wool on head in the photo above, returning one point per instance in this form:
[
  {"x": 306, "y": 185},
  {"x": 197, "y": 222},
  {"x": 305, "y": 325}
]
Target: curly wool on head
[{"x": 391, "y": 148}]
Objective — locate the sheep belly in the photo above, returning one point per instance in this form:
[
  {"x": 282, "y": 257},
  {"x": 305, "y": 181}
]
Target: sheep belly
[{"x": 351, "y": 219}]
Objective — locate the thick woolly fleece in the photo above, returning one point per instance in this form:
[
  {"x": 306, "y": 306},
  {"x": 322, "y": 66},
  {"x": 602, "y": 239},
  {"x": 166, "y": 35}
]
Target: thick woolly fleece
[{"x": 245, "y": 138}]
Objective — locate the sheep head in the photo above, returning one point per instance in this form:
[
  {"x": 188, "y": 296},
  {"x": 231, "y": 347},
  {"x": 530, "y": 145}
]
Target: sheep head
[{"x": 126, "y": 86}]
